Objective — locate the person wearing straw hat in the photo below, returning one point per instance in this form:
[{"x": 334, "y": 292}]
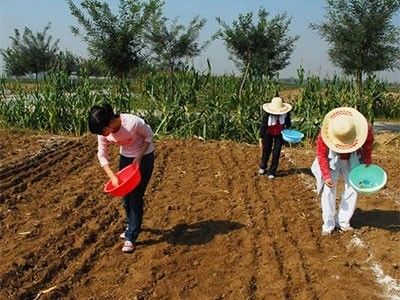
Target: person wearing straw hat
[
  {"x": 345, "y": 141},
  {"x": 275, "y": 119}
]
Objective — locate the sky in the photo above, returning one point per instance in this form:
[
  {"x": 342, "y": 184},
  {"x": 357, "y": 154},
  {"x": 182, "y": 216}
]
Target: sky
[{"x": 310, "y": 50}]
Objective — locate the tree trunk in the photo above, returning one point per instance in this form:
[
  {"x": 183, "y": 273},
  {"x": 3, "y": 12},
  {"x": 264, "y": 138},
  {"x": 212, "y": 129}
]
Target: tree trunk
[
  {"x": 243, "y": 80},
  {"x": 369, "y": 107},
  {"x": 36, "y": 81},
  {"x": 359, "y": 92},
  {"x": 359, "y": 82}
]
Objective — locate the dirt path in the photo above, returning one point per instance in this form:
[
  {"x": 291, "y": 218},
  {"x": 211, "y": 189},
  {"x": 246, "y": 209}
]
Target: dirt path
[
  {"x": 213, "y": 229},
  {"x": 387, "y": 127}
]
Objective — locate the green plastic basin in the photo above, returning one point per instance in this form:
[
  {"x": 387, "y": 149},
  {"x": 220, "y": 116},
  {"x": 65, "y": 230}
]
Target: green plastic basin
[{"x": 367, "y": 180}]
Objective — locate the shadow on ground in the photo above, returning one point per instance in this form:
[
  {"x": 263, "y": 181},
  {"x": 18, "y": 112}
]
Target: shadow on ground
[
  {"x": 384, "y": 219},
  {"x": 293, "y": 171},
  {"x": 198, "y": 233}
]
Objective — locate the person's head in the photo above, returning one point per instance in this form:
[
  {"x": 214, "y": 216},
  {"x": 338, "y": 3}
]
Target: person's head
[
  {"x": 344, "y": 130},
  {"x": 276, "y": 107},
  {"x": 102, "y": 120}
]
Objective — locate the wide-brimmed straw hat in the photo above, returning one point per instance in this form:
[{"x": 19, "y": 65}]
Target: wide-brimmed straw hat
[
  {"x": 344, "y": 129},
  {"x": 276, "y": 106}
]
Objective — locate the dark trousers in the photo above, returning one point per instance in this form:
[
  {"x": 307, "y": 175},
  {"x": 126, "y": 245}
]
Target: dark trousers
[
  {"x": 133, "y": 202},
  {"x": 269, "y": 141}
]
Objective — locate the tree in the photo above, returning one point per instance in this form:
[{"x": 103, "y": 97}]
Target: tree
[
  {"x": 115, "y": 39},
  {"x": 92, "y": 67},
  {"x": 31, "y": 53},
  {"x": 361, "y": 37},
  {"x": 264, "y": 47},
  {"x": 67, "y": 62},
  {"x": 170, "y": 46}
]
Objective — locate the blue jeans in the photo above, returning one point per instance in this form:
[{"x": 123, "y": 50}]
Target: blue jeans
[{"x": 133, "y": 202}]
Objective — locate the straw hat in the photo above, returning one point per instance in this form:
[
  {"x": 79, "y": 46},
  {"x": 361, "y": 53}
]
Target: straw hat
[
  {"x": 344, "y": 129},
  {"x": 276, "y": 106}
]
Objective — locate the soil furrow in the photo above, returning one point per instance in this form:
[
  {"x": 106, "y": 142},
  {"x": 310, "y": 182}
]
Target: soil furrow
[{"x": 212, "y": 228}]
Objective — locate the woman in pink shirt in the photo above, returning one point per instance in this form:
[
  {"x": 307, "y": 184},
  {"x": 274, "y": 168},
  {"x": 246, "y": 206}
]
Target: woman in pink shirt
[{"x": 135, "y": 139}]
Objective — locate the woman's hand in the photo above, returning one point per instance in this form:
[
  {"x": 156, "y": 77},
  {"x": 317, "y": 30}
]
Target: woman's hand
[
  {"x": 114, "y": 180},
  {"x": 260, "y": 142},
  {"x": 329, "y": 183}
]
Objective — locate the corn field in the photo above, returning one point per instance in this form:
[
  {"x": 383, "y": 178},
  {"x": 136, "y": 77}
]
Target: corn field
[
  {"x": 320, "y": 96},
  {"x": 186, "y": 104}
]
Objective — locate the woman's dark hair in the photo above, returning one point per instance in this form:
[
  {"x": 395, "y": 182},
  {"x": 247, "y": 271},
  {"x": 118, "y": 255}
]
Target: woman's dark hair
[{"x": 100, "y": 117}]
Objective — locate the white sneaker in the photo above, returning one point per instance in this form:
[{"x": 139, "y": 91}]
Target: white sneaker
[
  {"x": 122, "y": 235},
  {"x": 349, "y": 228},
  {"x": 261, "y": 171},
  {"x": 271, "y": 176},
  {"x": 326, "y": 233}
]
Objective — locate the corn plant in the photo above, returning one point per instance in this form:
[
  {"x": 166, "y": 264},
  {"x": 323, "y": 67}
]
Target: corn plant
[{"x": 186, "y": 104}]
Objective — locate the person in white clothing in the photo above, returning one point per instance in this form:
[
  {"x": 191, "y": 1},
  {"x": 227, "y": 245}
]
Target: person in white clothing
[
  {"x": 345, "y": 141},
  {"x": 135, "y": 139}
]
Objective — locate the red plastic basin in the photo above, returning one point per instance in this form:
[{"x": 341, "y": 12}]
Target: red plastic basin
[{"x": 129, "y": 178}]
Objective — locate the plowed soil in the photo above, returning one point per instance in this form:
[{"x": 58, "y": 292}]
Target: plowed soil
[{"x": 213, "y": 229}]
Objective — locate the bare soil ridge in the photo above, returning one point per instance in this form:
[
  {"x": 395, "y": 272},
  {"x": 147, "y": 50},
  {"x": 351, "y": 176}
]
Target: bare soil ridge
[{"x": 213, "y": 229}]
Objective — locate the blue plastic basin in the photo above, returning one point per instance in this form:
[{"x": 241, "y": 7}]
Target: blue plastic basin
[
  {"x": 292, "y": 136},
  {"x": 367, "y": 180}
]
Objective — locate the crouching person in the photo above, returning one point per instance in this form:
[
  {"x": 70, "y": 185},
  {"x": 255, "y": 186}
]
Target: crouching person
[{"x": 344, "y": 142}]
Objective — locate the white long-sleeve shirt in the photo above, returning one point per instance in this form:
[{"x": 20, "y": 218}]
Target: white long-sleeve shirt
[{"x": 133, "y": 132}]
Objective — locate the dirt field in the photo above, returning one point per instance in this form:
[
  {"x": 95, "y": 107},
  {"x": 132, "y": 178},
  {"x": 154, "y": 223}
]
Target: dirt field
[{"x": 213, "y": 229}]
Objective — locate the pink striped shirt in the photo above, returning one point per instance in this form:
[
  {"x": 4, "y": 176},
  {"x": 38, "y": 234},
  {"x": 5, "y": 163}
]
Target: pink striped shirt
[{"x": 133, "y": 132}]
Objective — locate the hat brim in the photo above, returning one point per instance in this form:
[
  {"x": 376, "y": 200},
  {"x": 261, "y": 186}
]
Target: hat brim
[
  {"x": 361, "y": 128},
  {"x": 267, "y": 108}
]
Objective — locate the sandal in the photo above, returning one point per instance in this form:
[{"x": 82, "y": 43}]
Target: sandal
[{"x": 128, "y": 247}]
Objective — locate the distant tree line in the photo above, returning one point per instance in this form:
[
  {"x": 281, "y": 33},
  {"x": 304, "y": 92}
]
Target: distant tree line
[{"x": 360, "y": 33}]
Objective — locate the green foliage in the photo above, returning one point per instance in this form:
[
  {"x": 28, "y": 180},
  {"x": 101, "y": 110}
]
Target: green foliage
[
  {"x": 264, "y": 47},
  {"x": 202, "y": 105},
  {"x": 67, "y": 62},
  {"x": 361, "y": 36},
  {"x": 318, "y": 97},
  {"x": 92, "y": 67},
  {"x": 116, "y": 39},
  {"x": 58, "y": 105},
  {"x": 170, "y": 46},
  {"x": 30, "y": 53},
  {"x": 384, "y": 104},
  {"x": 206, "y": 106}
]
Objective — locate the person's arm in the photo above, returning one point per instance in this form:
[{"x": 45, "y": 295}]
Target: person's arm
[
  {"x": 263, "y": 128},
  {"x": 114, "y": 179},
  {"x": 367, "y": 147},
  {"x": 288, "y": 121},
  {"x": 322, "y": 155},
  {"x": 142, "y": 151},
  {"x": 102, "y": 154},
  {"x": 145, "y": 131}
]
